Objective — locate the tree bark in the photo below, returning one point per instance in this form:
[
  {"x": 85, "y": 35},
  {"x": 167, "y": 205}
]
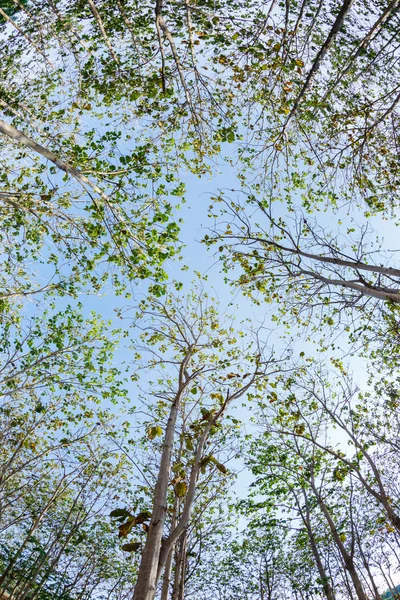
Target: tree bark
[
  {"x": 347, "y": 559},
  {"x": 149, "y": 570},
  {"x": 329, "y": 593}
]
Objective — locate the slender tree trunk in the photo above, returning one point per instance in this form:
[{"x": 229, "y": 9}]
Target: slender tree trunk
[
  {"x": 180, "y": 568},
  {"x": 344, "y": 9},
  {"x": 368, "y": 570},
  {"x": 28, "y": 537},
  {"x": 149, "y": 570},
  {"x": 329, "y": 593},
  {"x": 183, "y": 569},
  {"x": 176, "y": 574},
  {"x": 347, "y": 559},
  {"x": 168, "y": 566},
  {"x": 167, "y": 576}
]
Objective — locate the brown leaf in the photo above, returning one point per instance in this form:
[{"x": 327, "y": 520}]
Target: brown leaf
[
  {"x": 142, "y": 517},
  {"x": 180, "y": 489},
  {"x": 125, "y": 528},
  {"x": 176, "y": 479}
]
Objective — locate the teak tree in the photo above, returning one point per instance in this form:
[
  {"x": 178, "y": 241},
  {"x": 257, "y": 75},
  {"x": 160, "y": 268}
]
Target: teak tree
[{"x": 204, "y": 366}]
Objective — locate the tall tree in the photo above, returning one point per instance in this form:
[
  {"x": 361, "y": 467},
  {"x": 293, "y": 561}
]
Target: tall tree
[{"x": 204, "y": 367}]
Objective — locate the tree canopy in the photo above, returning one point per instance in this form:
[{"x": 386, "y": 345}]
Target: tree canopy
[{"x": 199, "y": 299}]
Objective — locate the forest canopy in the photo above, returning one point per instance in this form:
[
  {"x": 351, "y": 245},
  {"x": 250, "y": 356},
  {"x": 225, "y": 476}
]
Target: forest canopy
[{"x": 199, "y": 300}]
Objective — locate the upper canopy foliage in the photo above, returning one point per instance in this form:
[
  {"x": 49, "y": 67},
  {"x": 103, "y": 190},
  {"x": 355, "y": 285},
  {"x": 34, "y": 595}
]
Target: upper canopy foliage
[{"x": 113, "y": 100}]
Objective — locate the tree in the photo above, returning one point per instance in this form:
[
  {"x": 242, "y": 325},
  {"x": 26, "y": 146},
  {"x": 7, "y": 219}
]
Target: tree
[
  {"x": 59, "y": 474},
  {"x": 320, "y": 490},
  {"x": 322, "y": 281},
  {"x": 204, "y": 369},
  {"x": 362, "y": 427}
]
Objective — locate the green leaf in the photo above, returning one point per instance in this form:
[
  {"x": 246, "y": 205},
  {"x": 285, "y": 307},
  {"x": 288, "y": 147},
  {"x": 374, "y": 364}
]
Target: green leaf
[
  {"x": 120, "y": 512},
  {"x": 154, "y": 431},
  {"x": 177, "y": 467},
  {"x": 132, "y": 547}
]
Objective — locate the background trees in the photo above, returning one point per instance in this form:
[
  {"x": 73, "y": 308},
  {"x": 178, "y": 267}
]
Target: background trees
[
  {"x": 58, "y": 473},
  {"x": 325, "y": 482}
]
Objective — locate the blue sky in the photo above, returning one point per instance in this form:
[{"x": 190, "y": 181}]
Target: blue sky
[{"x": 197, "y": 258}]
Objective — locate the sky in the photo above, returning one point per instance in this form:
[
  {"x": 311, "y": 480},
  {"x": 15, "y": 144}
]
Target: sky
[{"x": 197, "y": 257}]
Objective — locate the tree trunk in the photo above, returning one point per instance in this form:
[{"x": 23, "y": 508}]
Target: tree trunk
[
  {"x": 183, "y": 569},
  {"x": 146, "y": 585},
  {"x": 149, "y": 571},
  {"x": 347, "y": 559},
  {"x": 329, "y": 593},
  {"x": 167, "y": 576},
  {"x": 168, "y": 565},
  {"x": 180, "y": 568}
]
